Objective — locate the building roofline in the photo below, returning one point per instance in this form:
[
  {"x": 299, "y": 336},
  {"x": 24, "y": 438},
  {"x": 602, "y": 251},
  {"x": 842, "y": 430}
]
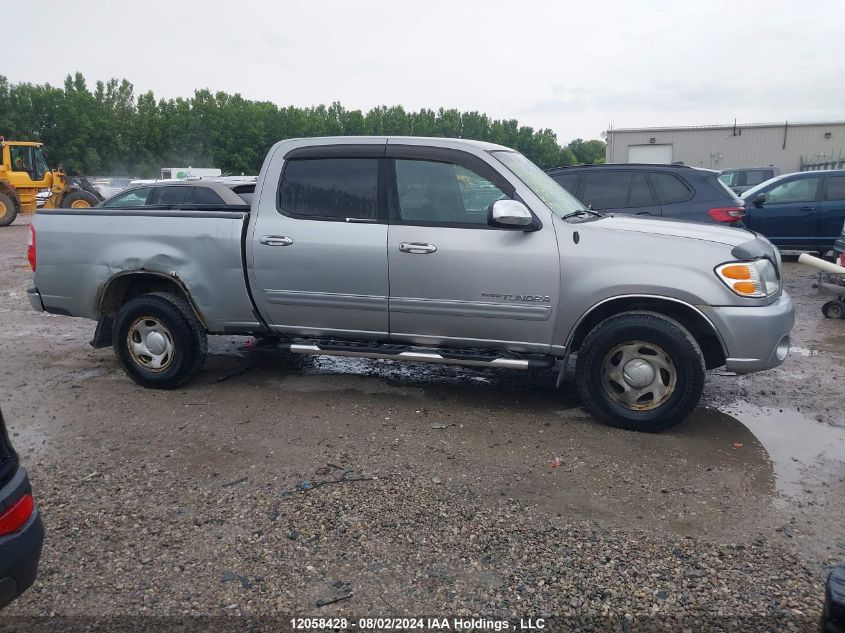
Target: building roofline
[{"x": 728, "y": 126}]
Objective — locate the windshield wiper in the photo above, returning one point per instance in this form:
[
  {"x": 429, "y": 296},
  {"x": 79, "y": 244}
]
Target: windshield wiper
[{"x": 580, "y": 212}]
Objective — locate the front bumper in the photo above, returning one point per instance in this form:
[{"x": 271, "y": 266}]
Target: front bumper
[
  {"x": 19, "y": 552},
  {"x": 755, "y": 337},
  {"x": 35, "y": 299}
]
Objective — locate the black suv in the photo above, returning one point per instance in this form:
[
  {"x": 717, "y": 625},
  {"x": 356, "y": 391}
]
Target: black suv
[
  {"x": 670, "y": 191},
  {"x": 21, "y": 531}
]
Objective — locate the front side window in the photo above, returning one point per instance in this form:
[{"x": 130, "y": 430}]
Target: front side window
[
  {"x": 134, "y": 198},
  {"x": 22, "y": 158},
  {"x": 567, "y": 180},
  {"x": 330, "y": 188},
  {"x": 438, "y": 192},
  {"x": 799, "y": 190}
]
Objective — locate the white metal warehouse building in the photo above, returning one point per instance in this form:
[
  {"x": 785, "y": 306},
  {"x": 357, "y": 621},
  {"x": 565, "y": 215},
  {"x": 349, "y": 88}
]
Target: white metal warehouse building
[{"x": 789, "y": 146}]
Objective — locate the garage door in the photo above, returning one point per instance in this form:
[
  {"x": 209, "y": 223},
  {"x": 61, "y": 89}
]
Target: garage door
[{"x": 652, "y": 154}]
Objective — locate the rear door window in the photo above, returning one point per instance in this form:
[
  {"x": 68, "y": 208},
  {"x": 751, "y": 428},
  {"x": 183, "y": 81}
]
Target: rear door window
[
  {"x": 606, "y": 189},
  {"x": 170, "y": 195},
  {"x": 669, "y": 188},
  {"x": 639, "y": 195},
  {"x": 205, "y": 195},
  {"x": 835, "y": 188},
  {"x": 330, "y": 188}
]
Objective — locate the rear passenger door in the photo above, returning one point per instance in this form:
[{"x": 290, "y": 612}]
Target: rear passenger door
[
  {"x": 831, "y": 214},
  {"x": 319, "y": 249},
  {"x": 618, "y": 190}
]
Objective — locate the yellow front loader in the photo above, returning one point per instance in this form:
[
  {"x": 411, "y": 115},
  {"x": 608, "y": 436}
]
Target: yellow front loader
[{"x": 24, "y": 172}]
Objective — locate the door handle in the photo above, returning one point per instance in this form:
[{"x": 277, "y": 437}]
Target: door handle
[
  {"x": 643, "y": 213},
  {"x": 807, "y": 209},
  {"x": 416, "y": 248},
  {"x": 275, "y": 240}
]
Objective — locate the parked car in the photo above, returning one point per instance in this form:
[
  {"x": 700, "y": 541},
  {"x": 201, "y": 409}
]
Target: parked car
[
  {"x": 669, "y": 191},
  {"x": 742, "y": 179},
  {"x": 425, "y": 250},
  {"x": 21, "y": 530},
  {"x": 802, "y": 211},
  {"x": 833, "y": 613},
  {"x": 170, "y": 193}
]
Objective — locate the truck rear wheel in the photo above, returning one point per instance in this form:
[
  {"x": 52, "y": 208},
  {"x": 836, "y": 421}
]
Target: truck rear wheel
[
  {"x": 8, "y": 210},
  {"x": 640, "y": 371},
  {"x": 79, "y": 200},
  {"x": 158, "y": 340}
]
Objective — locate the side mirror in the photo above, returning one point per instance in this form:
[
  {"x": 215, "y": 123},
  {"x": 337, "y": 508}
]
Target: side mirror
[
  {"x": 510, "y": 214},
  {"x": 759, "y": 200}
]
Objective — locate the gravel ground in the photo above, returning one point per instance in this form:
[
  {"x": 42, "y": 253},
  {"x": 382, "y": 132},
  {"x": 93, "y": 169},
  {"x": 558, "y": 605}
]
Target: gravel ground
[{"x": 275, "y": 487}]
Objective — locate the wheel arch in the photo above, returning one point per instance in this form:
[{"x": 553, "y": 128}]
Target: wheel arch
[
  {"x": 123, "y": 286},
  {"x": 693, "y": 319}
]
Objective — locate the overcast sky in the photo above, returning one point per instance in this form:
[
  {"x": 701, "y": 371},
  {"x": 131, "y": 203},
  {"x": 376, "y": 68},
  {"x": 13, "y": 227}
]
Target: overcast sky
[{"x": 569, "y": 66}]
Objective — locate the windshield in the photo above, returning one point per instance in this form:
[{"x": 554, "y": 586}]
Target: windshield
[{"x": 558, "y": 199}]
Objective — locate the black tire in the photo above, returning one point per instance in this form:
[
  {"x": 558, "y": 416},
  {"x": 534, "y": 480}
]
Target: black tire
[
  {"x": 165, "y": 318},
  {"x": 82, "y": 199},
  {"x": 834, "y": 310},
  {"x": 8, "y": 209},
  {"x": 642, "y": 332}
]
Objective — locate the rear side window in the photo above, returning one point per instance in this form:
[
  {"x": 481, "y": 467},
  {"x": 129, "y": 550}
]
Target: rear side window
[
  {"x": 567, "y": 180},
  {"x": 639, "y": 195},
  {"x": 205, "y": 195},
  {"x": 170, "y": 195},
  {"x": 669, "y": 188},
  {"x": 835, "y": 189},
  {"x": 330, "y": 188},
  {"x": 606, "y": 189}
]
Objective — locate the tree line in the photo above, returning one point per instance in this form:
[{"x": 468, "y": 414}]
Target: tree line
[{"x": 111, "y": 131}]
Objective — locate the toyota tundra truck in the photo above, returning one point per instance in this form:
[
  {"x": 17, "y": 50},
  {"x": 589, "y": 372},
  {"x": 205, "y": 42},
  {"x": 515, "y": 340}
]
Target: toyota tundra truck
[{"x": 426, "y": 250}]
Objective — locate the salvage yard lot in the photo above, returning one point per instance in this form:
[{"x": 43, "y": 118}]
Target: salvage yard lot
[{"x": 277, "y": 486}]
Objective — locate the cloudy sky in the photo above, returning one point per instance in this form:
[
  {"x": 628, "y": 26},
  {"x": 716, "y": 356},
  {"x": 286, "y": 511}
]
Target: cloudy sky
[{"x": 572, "y": 67}]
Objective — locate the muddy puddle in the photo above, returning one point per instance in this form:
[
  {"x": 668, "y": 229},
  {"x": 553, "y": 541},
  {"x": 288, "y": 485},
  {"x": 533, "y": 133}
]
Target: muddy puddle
[{"x": 804, "y": 452}]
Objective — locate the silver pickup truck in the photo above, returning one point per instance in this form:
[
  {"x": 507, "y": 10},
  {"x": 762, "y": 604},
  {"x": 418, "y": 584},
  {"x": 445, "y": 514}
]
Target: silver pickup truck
[{"x": 423, "y": 250}]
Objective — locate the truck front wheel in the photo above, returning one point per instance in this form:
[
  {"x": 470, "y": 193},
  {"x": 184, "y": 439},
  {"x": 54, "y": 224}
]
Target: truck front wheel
[
  {"x": 640, "y": 371},
  {"x": 158, "y": 340}
]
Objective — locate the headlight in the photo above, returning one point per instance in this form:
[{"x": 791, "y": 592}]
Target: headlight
[{"x": 750, "y": 279}]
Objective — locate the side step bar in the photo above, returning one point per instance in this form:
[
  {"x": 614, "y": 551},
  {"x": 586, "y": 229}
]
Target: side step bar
[{"x": 540, "y": 362}]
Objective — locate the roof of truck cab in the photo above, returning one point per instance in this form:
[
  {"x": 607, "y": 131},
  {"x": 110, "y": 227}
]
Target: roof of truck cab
[{"x": 400, "y": 140}]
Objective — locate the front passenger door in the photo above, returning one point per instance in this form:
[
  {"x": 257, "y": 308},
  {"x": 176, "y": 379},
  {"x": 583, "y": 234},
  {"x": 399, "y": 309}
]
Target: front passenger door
[
  {"x": 787, "y": 216},
  {"x": 454, "y": 280}
]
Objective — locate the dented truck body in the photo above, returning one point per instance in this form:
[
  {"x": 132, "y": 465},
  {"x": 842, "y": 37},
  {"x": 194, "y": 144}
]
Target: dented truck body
[{"x": 431, "y": 250}]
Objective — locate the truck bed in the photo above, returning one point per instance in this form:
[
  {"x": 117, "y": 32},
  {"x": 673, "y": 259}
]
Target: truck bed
[{"x": 79, "y": 251}]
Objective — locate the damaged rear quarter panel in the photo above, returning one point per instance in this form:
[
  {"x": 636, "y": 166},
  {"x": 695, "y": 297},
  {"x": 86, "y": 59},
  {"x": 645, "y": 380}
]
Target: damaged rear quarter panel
[{"x": 78, "y": 254}]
